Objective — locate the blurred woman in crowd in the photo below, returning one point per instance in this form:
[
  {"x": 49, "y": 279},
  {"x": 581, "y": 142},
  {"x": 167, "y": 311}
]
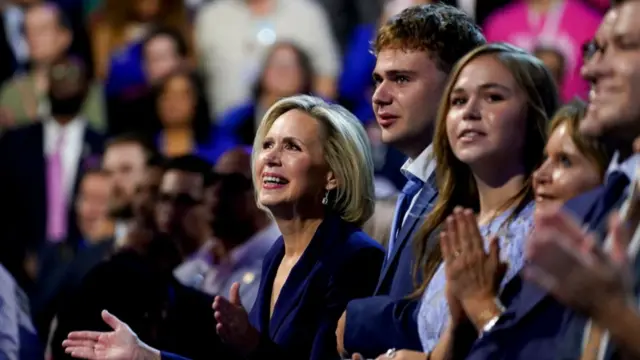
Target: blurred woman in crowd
[
  {"x": 181, "y": 109},
  {"x": 117, "y": 37},
  {"x": 489, "y": 139},
  {"x": 563, "y": 25},
  {"x": 312, "y": 170},
  {"x": 287, "y": 71},
  {"x": 574, "y": 163}
]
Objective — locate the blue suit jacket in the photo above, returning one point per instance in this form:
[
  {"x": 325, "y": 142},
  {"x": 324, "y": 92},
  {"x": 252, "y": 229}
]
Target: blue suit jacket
[
  {"x": 535, "y": 326},
  {"x": 388, "y": 319},
  {"x": 340, "y": 264}
]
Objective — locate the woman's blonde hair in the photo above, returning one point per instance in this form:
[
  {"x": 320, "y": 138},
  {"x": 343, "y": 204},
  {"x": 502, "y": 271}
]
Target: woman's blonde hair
[
  {"x": 347, "y": 152},
  {"x": 594, "y": 150},
  {"x": 456, "y": 184}
]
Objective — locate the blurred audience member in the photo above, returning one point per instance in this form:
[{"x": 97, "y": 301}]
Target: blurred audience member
[
  {"x": 38, "y": 187},
  {"x": 13, "y": 45},
  {"x": 140, "y": 288},
  {"x": 560, "y": 24},
  {"x": 242, "y": 234},
  {"x": 164, "y": 50},
  {"x": 18, "y": 337},
  {"x": 117, "y": 37},
  {"x": 48, "y": 36},
  {"x": 143, "y": 227},
  {"x": 554, "y": 61},
  {"x": 182, "y": 110},
  {"x": 124, "y": 162},
  {"x": 96, "y": 237},
  {"x": 380, "y": 224},
  {"x": 92, "y": 207},
  {"x": 345, "y": 15},
  {"x": 231, "y": 59},
  {"x": 287, "y": 71}
]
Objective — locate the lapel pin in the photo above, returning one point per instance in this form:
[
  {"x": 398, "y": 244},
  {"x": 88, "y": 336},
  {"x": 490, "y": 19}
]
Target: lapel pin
[{"x": 248, "y": 278}]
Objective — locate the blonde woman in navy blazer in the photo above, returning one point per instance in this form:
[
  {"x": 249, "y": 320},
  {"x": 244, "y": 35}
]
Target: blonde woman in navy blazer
[{"x": 313, "y": 172}]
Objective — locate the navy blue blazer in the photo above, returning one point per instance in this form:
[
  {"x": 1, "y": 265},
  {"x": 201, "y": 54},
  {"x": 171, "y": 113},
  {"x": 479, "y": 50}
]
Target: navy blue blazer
[
  {"x": 535, "y": 326},
  {"x": 388, "y": 319},
  {"x": 340, "y": 264}
]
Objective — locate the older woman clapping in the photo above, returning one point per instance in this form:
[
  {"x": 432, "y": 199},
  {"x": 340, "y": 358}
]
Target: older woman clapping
[{"x": 313, "y": 171}]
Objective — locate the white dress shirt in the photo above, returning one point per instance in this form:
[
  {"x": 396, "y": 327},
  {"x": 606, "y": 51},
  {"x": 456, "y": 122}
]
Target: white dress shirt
[
  {"x": 72, "y": 148},
  {"x": 422, "y": 168}
]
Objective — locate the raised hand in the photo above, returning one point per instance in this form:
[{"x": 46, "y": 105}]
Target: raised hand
[
  {"x": 473, "y": 276},
  {"x": 233, "y": 322},
  {"x": 120, "y": 344},
  {"x": 567, "y": 262}
]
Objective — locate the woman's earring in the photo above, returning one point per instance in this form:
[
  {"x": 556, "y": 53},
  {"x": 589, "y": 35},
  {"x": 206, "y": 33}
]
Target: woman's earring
[{"x": 325, "y": 199}]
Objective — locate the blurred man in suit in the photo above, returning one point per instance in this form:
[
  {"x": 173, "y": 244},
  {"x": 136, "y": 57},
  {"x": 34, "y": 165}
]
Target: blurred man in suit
[
  {"x": 41, "y": 164},
  {"x": 124, "y": 163},
  {"x": 242, "y": 234},
  {"x": 137, "y": 284}
]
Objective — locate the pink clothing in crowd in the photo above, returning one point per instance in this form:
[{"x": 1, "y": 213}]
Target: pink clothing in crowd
[{"x": 566, "y": 27}]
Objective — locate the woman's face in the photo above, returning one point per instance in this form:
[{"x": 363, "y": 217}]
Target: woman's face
[
  {"x": 565, "y": 173},
  {"x": 487, "y": 114},
  {"x": 147, "y": 10},
  {"x": 290, "y": 167},
  {"x": 177, "y": 102},
  {"x": 283, "y": 76}
]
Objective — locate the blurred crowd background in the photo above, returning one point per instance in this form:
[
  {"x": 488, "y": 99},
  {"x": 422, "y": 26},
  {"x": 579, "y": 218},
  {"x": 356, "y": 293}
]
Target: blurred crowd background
[{"x": 145, "y": 79}]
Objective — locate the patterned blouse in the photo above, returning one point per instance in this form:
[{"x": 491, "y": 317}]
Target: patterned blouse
[{"x": 434, "y": 310}]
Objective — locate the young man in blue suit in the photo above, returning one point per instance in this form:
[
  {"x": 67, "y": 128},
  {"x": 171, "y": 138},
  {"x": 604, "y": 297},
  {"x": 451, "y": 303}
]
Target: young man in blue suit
[
  {"x": 535, "y": 325},
  {"x": 412, "y": 65}
]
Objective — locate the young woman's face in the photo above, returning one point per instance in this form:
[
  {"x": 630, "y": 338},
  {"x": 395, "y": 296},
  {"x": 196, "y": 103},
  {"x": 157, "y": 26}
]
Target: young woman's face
[{"x": 487, "y": 114}]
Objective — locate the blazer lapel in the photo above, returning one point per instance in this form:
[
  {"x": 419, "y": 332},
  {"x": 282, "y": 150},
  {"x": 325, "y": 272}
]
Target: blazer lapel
[
  {"x": 301, "y": 273},
  {"x": 416, "y": 212},
  {"x": 261, "y": 308}
]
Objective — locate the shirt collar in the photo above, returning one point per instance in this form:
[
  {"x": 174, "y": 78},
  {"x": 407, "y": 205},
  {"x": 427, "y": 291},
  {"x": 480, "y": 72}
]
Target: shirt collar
[
  {"x": 422, "y": 167},
  {"x": 628, "y": 167}
]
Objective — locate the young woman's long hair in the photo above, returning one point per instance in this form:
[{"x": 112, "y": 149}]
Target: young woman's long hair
[{"x": 455, "y": 180}]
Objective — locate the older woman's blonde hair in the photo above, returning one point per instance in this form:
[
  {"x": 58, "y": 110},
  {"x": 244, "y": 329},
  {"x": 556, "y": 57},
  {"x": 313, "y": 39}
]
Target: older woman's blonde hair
[
  {"x": 456, "y": 184},
  {"x": 347, "y": 152}
]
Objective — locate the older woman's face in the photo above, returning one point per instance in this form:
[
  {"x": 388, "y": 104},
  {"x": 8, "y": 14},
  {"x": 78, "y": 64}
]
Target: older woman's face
[
  {"x": 565, "y": 173},
  {"x": 290, "y": 168},
  {"x": 487, "y": 114}
]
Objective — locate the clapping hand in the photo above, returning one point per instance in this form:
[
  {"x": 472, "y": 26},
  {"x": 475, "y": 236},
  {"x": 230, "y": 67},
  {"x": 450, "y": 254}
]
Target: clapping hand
[
  {"x": 119, "y": 344},
  {"x": 473, "y": 276},
  {"x": 233, "y": 322},
  {"x": 574, "y": 269}
]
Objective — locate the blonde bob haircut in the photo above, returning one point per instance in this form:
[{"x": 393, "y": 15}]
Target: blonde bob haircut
[{"x": 347, "y": 152}]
